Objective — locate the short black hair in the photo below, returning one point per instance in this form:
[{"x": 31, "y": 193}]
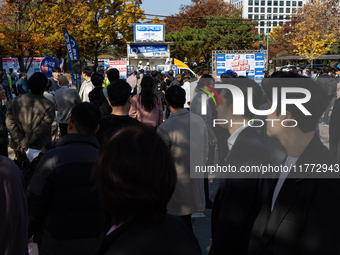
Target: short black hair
[
  {"x": 10, "y": 69},
  {"x": 141, "y": 71},
  {"x": 243, "y": 83},
  {"x": 97, "y": 79},
  {"x": 140, "y": 188},
  {"x": 199, "y": 72},
  {"x": 316, "y": 105},
  {"x": 56, "y": 69},
  {"x": 170, "y": 72},
  {"x": 175, "y": 96},
  {"x": 87, "y": 70},
  {"x": 113, "y": 74},
  {"x": 119, "y": 92},
  {"x": 85, "y": 117},
  {"x": 37, "y": 83}
]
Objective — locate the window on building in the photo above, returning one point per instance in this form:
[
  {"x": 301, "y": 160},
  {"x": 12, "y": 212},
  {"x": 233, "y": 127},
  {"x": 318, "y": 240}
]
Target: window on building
[
  {"x": 269, "y": 9},
  {"x": 293, "y": 10},
  {"x": 282, "y": 3},
  {"x": 294, "y": 3},
  {"x": 281, "y": 17},
  {"x": 256, "y": 9},
  {"x": 287, "y": 10},
  {"x": 263, "y": 2},
  {"x": 262, "y": 23},
  {"x": 280, "y": 23},
  {"x": 263, "y": 10},
  {"x": 288, "y": 3},
  {"x": 268, "y": 30},
  {"x": 274, "y": 23},
  {"x": 274, "y": 16},
  {"x": 261, "y": 30},
  {"x": 262, "y": 17},
  {"x": 250, "y": 2},
  {"x": 250, "y": 16},
  {"x": 256, "y": 16},
  {"x": 275, "y": 3},
  {"x": 250, "y": 9},
  {"x": 257, "y": 2},
  {"x": 274, "y": 10},
  {"x": 281, "y": 10},
  {"x": 269, "y": 23},
  {"x": 300, "y": 3},
  {"x": 269, "y": 3},
  {"x": 269, "y": 16}
]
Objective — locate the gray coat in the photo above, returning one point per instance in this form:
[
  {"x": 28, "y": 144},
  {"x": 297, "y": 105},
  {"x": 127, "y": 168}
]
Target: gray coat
[
  {"x": 186, "y": 135},
  {"x": 28, "y": 120}
]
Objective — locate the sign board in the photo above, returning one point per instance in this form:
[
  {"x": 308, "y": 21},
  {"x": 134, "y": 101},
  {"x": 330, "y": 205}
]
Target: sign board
[
  {"x": 46, "y": 66},
  {"x": 149, "y": 32},
  {"x": 8, "y": 63},
  {"x": 251, "y": 65},
  {"x": 174, "y": 68},
  {"x": 120, "y": 65},
  {"x": 270, "y": 61},
  {"x": 129, "y": 70},
  {"x": 149, "y": 51}
]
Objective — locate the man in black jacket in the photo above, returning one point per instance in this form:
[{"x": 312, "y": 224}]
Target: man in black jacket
[
  {"x": 240, "y": 196},
  {"x": 301, "y": 213},
  {"x": 64, "y": 212}
]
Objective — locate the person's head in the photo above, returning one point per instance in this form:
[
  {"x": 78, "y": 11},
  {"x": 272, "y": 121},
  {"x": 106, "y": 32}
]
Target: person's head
[
  {"x": 205, "y": 80},
  {"x": 171, "y": 73},
  {"x": 225, "y": 111},
  {"x": 186, "y": 78},
  {"x": 63, "y": 81},
  {"x": 337, "y": 71},
  {"x": 37, "y": 83},
  {"x": 97, "y": 79},
  {"x": 316, "y": 105},
  {"x": 23, "y": 75},
  {"x": 113, "y": 74},
  {"x": 10, "y": 70},
  {"x": 84, "y": 119},
  {"x": 48, "y": 85},
  {"x": 134, "y": 73},
  {"x": 56, "y": 71},
  {"x": 147, "y": 97},
  {"x": 314, "y": 71},
  {"x": 199, "y": 74},
  {"x": 154, "y": 73},
  {"x": 2, "y": 93},
  {"x": 87, "y": 72},
  {"x": 140, "y": 188},
  {"x": 178, "y": 77},
  {"x": 119, "y": 93},
  {"x": 175, "y": 97},
  {"x": 141, "y": 71}
]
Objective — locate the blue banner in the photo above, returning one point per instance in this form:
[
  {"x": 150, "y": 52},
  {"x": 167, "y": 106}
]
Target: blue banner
[
  {"x": 47, "y": 65},
  {"x": 73, "y": 53},
  {"x": 174, "y": 68}
]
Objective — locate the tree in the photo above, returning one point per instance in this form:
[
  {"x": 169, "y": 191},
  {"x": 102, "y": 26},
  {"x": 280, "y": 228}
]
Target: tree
[
  {"x": 17, "y": 30},
  {"x": 107, "y": 22},
  {"x": 316, "y": 29},
  {"x": 221, "y": 33},
  {"x": 193, "y": 15}
]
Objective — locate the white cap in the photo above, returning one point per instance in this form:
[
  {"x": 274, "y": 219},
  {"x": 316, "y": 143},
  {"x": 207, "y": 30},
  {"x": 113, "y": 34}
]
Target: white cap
[
  {"x": 147, "y": 63},
  {"x": 140, "y": 62}
]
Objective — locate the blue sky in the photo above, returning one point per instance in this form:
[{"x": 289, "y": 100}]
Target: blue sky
[{"x": 162, "y": 7}]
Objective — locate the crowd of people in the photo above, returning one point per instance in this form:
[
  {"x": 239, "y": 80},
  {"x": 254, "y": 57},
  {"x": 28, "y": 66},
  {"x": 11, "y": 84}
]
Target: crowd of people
[{"x": 111, "y": 164}]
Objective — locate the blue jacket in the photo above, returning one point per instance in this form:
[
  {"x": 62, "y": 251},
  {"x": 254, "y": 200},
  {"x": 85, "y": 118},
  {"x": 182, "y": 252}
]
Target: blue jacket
[{"x": 22, "y": 86}]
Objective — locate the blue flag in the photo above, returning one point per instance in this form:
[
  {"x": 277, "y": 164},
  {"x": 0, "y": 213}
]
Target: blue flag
[
  {"x": 73, "y": 53},
  {"x": 261, "y": 48}
]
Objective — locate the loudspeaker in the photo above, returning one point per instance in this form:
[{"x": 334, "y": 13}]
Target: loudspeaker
[{"x": 76, "y": 66}]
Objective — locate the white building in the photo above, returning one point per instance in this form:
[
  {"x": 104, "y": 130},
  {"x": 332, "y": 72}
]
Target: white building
[{"x": 268, "y": 13}]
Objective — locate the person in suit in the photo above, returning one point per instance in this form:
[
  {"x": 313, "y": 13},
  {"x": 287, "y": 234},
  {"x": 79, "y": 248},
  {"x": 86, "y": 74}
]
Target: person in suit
[
  {"x": 301, "y": 213},
  {"x": 334, "y": 130},
  {"x": 135, "y": 177},
  {"x": 240, "y": 195}
]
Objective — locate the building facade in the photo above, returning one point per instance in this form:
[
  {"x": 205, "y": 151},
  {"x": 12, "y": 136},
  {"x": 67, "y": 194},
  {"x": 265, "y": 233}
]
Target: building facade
[{"x": 268, "y": 13}]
